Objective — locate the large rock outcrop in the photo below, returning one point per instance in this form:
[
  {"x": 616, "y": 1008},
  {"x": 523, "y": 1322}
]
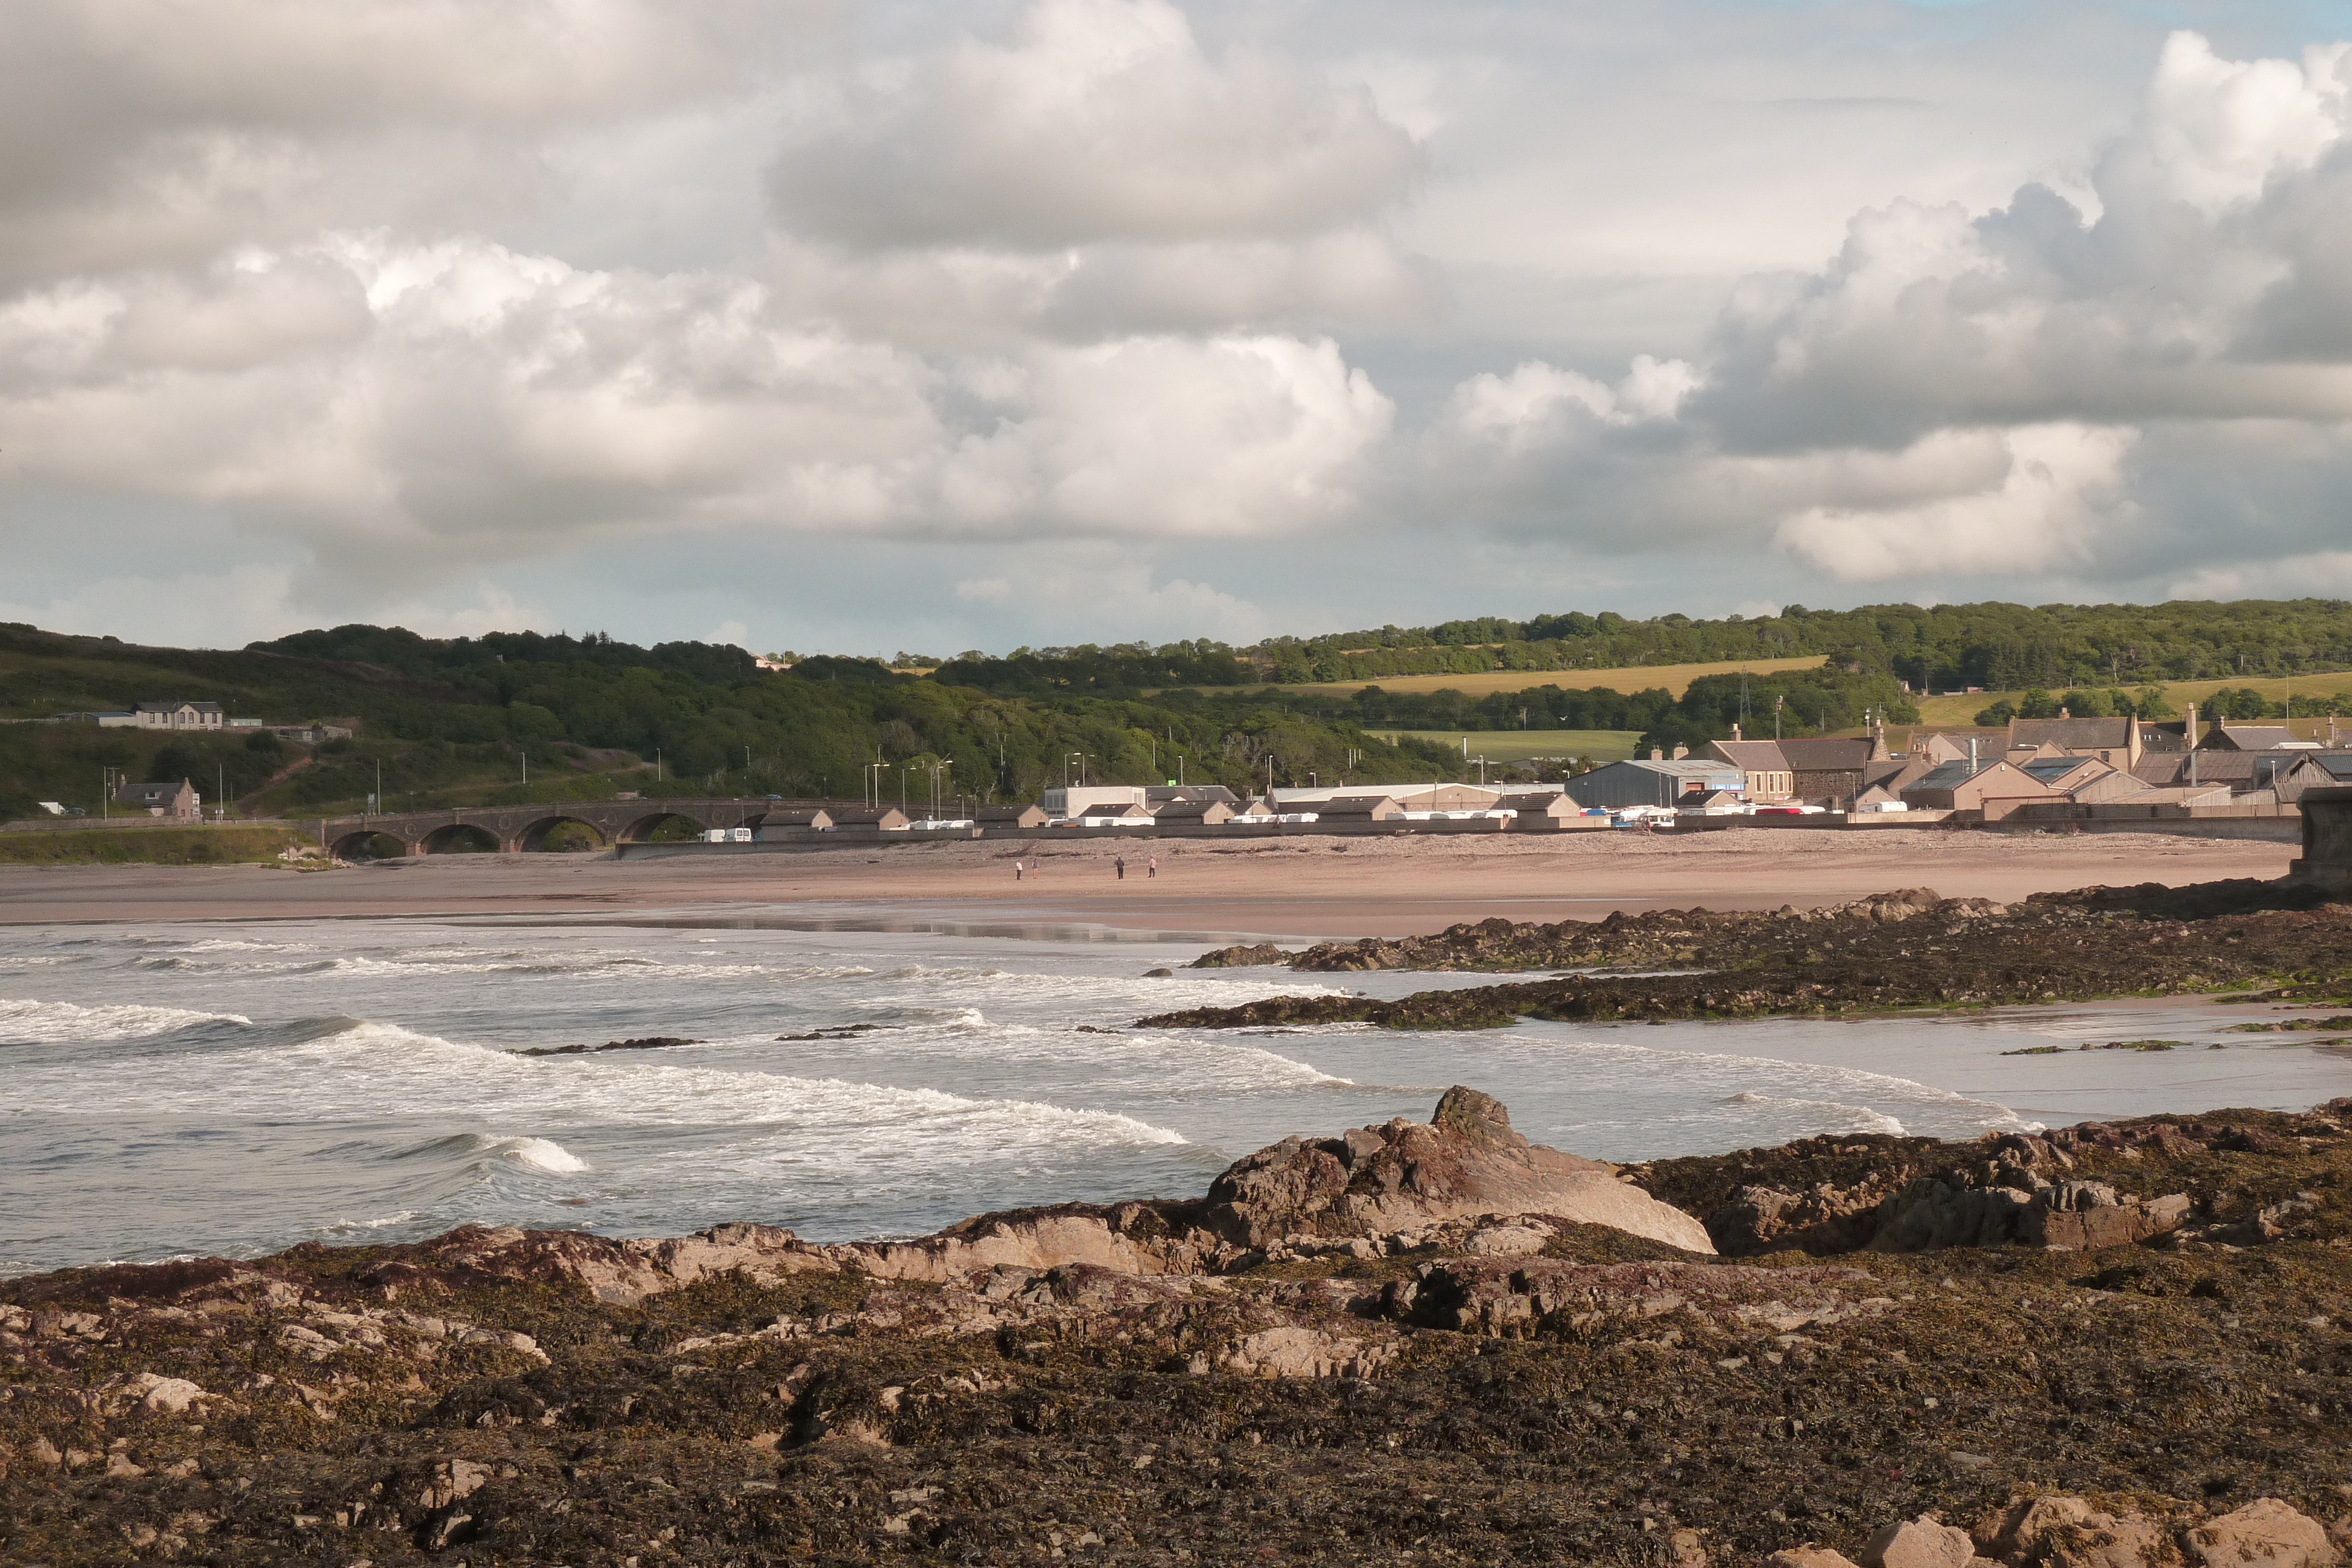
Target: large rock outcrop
[
  {"x": 2020, "y": 1195},
  {"x": 1464, "y": 1161}
]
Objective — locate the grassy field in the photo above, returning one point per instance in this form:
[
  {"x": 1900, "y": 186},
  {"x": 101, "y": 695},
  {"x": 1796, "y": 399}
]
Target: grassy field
[
  {"x": 1937, "y": 713},
  {"x": 1519, "y": 744},
  {"x": 1675, "y": 678},
  {"x": 151, "y": 846}
]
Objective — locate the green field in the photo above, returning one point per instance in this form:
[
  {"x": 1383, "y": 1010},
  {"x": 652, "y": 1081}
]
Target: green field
[
  {"x": 1946, "y": 712},
  {"x": 151, "y": 846},
  {"x": 1520, "y": 744}
]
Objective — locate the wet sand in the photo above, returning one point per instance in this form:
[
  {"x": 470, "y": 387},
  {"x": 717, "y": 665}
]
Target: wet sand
[{"x": 1297, "y": 888}]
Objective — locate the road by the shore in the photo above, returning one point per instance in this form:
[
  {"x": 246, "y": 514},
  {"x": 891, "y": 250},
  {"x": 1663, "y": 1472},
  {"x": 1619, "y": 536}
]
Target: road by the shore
[{"x": 1295, "y": 888}]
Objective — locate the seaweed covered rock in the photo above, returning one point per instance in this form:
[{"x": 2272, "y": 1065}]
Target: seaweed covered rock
[{"x": 1465, "y": 1161}]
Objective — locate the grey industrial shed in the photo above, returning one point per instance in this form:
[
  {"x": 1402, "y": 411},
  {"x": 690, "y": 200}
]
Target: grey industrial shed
[{"x": 1646, "y": 783}]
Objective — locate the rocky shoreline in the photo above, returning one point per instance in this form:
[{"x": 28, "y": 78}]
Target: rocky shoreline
[
  {"x": 2113, "y": 1344},
  {"x": 1903, "y": 949}
]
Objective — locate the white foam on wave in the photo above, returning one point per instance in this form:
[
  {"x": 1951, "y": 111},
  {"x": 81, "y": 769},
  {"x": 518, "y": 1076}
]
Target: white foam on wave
[
  {"x": 1830, "y": 1116},
  {"x": 48, "y": 1023},
  {"x": 540, "y": 1155},
  {"x": 382, "y": 1071}
]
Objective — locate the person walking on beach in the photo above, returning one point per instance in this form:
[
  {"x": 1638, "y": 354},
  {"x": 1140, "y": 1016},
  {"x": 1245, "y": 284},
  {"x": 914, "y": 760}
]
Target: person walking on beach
[
  {"x": 1121, "y": 864},
  {"x": 1152, "y": 868},
  {"x": 1016, "y": 871}
]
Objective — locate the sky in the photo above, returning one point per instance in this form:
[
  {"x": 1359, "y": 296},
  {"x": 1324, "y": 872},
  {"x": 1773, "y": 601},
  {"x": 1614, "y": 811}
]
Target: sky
[{"x": 822, "y": 325}]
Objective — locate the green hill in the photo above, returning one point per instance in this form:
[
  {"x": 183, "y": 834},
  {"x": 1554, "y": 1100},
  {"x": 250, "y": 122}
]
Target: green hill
[{"x": 459, "y": 721}]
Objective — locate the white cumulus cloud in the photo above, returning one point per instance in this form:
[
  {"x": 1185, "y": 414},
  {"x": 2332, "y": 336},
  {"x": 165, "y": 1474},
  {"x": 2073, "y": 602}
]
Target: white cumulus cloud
[{"x": 1098, "y": 119}]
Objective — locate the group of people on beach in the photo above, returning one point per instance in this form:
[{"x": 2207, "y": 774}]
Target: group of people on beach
[{"x": 1119, "y": 863}]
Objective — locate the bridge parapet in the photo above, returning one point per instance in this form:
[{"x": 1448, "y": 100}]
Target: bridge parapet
[{"x": 516, "y": 829}]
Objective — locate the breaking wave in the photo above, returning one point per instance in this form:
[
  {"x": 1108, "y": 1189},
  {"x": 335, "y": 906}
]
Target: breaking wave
[{"x": 51, "y": 1023}]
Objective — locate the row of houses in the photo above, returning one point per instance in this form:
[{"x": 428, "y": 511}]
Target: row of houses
[{"x": 2095, "y": 761}]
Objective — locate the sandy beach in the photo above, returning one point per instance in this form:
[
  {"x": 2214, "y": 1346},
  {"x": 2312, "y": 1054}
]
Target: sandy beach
[{"x": 1306, "y": 888}]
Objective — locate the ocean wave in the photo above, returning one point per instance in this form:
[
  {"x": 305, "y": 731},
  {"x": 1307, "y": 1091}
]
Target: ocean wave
[
  {"x": 1847, "y": 1118},
  {"x": 47, "y": 1023},
  {"x": 338, "y": 1068}
]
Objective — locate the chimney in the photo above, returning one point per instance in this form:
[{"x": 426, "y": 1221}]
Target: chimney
[
  {"x": 1656, "y": 755},
  {"x": 1681, "y": 752},
  {"x": 2064, "y": 714},
  {"x": 1735, "y": 732},
  {"x": 2190, "y": 729}
]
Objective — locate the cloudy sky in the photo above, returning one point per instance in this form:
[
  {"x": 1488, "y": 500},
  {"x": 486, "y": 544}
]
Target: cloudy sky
[{"x": 820, "y": 324}]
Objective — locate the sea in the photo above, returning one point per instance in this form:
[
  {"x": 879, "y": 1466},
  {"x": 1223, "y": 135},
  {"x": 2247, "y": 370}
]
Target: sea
[{"x": 232, "y": 1089}]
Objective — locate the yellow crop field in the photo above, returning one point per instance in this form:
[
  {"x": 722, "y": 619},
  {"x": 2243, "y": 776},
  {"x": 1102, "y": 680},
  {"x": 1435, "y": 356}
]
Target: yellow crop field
[
  {"x": 1675, "y": 678},
  {"x": 1519, "y": 745}
]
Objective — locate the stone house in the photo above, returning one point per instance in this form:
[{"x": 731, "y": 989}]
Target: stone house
[{"x": 174, "y": 802}]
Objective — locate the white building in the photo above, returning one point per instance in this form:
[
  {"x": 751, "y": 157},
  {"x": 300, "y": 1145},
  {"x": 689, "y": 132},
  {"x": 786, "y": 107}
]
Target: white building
[{"x": 174, "y": 715}]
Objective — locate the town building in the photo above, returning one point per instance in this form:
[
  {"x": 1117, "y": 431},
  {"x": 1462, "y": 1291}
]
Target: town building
[
  {"x": 882, "y": 819},
  {"x": 2085, "y": 780},
  {"x": 1821, "y": 771},
  {"x": 1347, "y": 808},
  {"x": 2312, "y": 771},
  {"x": 1654, "y": 782},
  {"x": 1547, "y": 806},
  {"x": 176, "y": 715},
  {"x": 2226, "y": 737},
  {"x": 1011, "y": 816},
  {"x": 175, "y": 802},
  {"x": 1975, "y": 785},
  {"x": 1184, "y": 814},
  {"x": 2116, "y": 742},
  {"x": 1432, "y": 797}
]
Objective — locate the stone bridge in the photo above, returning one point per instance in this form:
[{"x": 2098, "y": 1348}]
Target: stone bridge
[{"x": 511, "y": 830}]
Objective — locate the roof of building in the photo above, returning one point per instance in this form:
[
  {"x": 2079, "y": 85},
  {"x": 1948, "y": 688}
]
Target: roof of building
[
  {"x": 1753, "y": 756},
  {"x": 1358, "y": 805},
  {"x": 175, "y": 707},
  {"x": 1680, "y": 768},
  {"x": 2246, "y": 737},
  {"x": 1952, "y": 775},
  {"x": 1828, "y": 756},
  {"x": 2065, "y": 772},
  {"x": 1178, "y": 810},
  {"x": 2212, "y": 764},
  {"x": 2072, "y": 734},
  {"x": 2337, "y": 764},
  {"x": 1895, "y": 772}
]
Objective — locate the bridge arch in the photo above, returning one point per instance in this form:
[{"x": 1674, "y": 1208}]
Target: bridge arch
[
  {"x": 368, "y": 844},
  {"x": 459, "y": 839},
  {"x": 533, "y": 838},
  {"x": 641, "y": 830}
]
